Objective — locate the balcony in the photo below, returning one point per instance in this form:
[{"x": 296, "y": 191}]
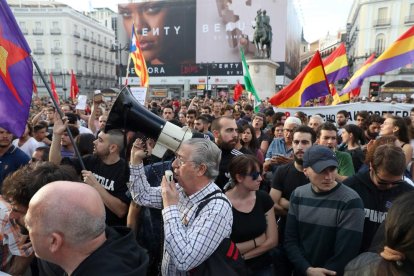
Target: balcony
[
  {"x": 106, "y": 60},
  {"x": 93, "y": 40},
  {"x": 39, "y": 51},
  {"x": 55, "y": 31},
  {"x": 100, "y": 59},
  {"x": 79, "y": 73},
  {"x": 100, "y": 43},
  {"x": 24, "y": 31},
  {"x": 86, "y": 37},
  {"x": 56, "y": 71},
  {"x": 56, "y": 51},
  {"x": 94, "y": 57},
  {"x": 86, "y": 55},
  {"x": 76, "y": 34},
  {"x": 38, "y": 31},
  {"x": 382, "y": 22},
  {"x": 77, "y": 53},
  {"x": 409, "y": 19}
]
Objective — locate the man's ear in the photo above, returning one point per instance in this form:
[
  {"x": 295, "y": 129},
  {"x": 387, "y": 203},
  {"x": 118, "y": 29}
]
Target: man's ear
[
  {"x": 216, "y": 133},
  {"x": 112, "y": 148},
  {"x": 55, "y": 242},
  {"x": 305, "y": 171}
]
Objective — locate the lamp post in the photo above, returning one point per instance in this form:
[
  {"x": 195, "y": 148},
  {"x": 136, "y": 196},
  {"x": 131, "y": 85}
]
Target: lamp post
[{"x": 118, "y": 48}]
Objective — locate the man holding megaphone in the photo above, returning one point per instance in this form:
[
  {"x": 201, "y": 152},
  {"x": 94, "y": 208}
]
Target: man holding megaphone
[{"x": 190, "y": 239}]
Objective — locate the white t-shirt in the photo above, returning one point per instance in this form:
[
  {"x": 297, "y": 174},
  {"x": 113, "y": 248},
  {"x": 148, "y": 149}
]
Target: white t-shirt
[{"x": 29, "y": 147}]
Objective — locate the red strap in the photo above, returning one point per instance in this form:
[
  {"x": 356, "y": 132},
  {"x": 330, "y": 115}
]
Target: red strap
[
  {"x": 230, "y": 251},
  {"x": 236, "y": 255}
]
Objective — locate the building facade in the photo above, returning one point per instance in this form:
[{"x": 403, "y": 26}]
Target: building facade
[
  {"x": 372, "y": 26},
  {"x": 63, "y": 39}
]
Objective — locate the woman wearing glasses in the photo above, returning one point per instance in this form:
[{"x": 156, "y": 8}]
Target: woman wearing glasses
[{"x": 254, "y": 225}]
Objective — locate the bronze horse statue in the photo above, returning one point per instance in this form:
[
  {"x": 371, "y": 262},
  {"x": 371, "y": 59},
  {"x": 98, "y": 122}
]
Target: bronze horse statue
[{"x": 262, "y": 37}]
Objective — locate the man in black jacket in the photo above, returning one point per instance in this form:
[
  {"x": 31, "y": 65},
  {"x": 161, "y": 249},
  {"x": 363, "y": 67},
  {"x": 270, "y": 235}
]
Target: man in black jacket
[
  {"x": 66, "y": 223},
  {"x": 379, "y": 187}
]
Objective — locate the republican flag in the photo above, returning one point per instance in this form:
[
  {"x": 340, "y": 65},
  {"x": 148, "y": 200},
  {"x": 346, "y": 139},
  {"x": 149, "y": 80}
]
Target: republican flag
[
  {"x": 336, "y": 65},
  {"x": 311, "y": 83},
  {"x": 16, "y": 74},
  {"x": 353, "y": 86},
  {"x": 53, "y": 87},
  {"x": 248, "y": 82},
  {"x": 138, "y": 59},
  {"x": 238, "y": 90},
  {"x": 400, "y": 53},
  {"x": 74, "y": 88}
]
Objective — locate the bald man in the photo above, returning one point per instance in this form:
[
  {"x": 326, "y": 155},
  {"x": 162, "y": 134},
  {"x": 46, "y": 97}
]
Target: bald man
[{"x": 66, "y": 223}]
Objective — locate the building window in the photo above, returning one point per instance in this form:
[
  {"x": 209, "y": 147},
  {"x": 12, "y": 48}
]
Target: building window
[
  {"x": 382, "y": 17},
  {"x": 38, "y": 44},
  {"x": 22, "y": 24},
  {"x": 57, "y": 64},
  {"x": 55, "y": 24},
  {"x": 379, "y": 44},
  {"x": 38, "y": 24},
  {"x": 56, "y": 44},
  {"x": 76, "y": 46}
]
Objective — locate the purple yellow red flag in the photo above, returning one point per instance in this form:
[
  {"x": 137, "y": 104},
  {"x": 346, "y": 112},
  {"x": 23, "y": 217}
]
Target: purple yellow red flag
[
  {"x": 74, "y": 88},
  {"x": 16, "y": 74},
  {"x": 34, "y": 87},
  {"x": 311, "y": 83},
  {"x": 336, "y": 65},
  {"x": 353, "y": 86},
  {"x": 138, "y": 59},
  {"x": 400, "y": 53}
]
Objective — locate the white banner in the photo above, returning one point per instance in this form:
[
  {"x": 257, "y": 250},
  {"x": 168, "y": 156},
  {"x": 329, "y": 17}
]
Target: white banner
[
  {"x": 329, "y": 112},
  {"x": 139, "y": 93}
]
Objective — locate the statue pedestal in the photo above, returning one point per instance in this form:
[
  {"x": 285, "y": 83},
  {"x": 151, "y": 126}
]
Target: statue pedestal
[{"x": 263, "y": 74}]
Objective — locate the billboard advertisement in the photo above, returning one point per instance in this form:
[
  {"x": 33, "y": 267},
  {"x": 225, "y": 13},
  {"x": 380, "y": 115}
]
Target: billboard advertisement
[{"x": 202, "y": 37}]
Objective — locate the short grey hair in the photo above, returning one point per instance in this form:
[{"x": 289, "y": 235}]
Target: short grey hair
[
  {"x": 317, "y": 117},
  {"x": 205, "y": 152},
  {"x": 293, "y": 120}
]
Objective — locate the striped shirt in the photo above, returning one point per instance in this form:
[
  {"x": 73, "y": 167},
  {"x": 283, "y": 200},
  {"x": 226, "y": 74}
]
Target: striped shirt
[{"x": 189, "y": 240}]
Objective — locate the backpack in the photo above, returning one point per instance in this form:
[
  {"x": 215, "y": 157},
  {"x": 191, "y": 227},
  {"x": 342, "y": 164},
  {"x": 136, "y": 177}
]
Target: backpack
[{"x": 227, "y": 259}]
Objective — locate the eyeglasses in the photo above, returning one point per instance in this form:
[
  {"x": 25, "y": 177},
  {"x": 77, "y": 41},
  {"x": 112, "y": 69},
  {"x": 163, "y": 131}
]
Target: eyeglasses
[
  {"x": 253, "y": 175},
  {"x": 180, "y": 161},
  {"x": 383, "y": 182}
]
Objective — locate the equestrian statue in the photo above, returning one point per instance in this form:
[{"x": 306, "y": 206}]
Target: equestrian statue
[{"x": 262, "y": 38}]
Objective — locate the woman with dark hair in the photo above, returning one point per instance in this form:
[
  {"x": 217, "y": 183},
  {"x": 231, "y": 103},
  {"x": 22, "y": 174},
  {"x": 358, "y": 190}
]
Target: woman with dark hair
[
  {"x": 84, "y": 142},
  {"x": 394, "y": 125},
  {"x": 254, "y": 225},
  {"x": 263, "y": 139},
  {"x": 352, "y": 138},
  {"x": 249, "y": 141},
  {"x": 397, "y": 257}
]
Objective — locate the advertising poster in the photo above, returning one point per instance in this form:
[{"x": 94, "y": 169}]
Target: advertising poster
[{"x": 189, "y": 37}]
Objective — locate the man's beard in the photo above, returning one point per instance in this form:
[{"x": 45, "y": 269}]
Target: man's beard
[
  {"x": 102, "y": 155},
  {"x": 227, "y": 145},
  {"x": 298, "y": 160},
  {"x": 372, "y": 135}
]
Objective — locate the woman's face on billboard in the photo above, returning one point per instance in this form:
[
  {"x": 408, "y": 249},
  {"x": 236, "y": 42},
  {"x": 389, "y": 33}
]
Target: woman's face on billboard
[{"x": 149, "y": 19}]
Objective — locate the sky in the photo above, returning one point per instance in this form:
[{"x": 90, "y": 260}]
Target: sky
[{"x": 318, "y": 17}]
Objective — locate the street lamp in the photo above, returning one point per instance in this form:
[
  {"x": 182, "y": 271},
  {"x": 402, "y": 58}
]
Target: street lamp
[
  {"x": 207, "y": 64},
  {"x": 118, "y": 48}
]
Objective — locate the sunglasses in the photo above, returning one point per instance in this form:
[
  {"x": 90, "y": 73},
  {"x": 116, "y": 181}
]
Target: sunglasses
[
  {"x": 381, "y": 181},
  {"x": 254, "y": 175}
]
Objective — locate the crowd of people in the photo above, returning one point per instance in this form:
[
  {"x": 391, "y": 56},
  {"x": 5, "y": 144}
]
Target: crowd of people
[{"x": 297, "y": 195}]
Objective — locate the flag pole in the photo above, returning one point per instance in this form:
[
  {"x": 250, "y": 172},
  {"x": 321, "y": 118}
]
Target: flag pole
[{"x": 78, "y": 155}]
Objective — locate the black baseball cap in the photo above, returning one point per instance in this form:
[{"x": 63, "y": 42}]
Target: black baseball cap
[{"x": 319, "y": 158}]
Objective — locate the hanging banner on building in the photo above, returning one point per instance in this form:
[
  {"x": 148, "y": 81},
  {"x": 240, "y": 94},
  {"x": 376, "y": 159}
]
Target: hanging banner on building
[
  {"x": 202, "y": 37},
  {"x": 329, "y": 112}
]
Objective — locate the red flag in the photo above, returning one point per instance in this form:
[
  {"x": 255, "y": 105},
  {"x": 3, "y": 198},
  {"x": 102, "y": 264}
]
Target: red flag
[
  {"x": 74, "y": 89},
  {"x": 34, "y": 87},
  {"x": 238, "y": 90},
  {"x": 53, "y": 87}
]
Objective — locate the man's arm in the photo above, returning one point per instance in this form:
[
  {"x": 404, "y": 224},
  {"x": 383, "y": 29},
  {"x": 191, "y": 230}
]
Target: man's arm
[
  {"x": 91, "y": 119},
  {"x": 292, "y": 242},
  {"x": 38, "y": 116},
  {"x": 58, "y": 128},
  {"x": 348, "y": 236},
  {"x": 117, "y": 206},
  {"x": 276, "y": 196}
]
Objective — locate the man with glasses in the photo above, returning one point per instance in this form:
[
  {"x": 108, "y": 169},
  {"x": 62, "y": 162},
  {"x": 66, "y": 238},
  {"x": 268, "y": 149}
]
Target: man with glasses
[
  {"x": 189, "y": 238},
  {"x": 280, "y": 150},
  {"x": 379, "y": 186}
]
